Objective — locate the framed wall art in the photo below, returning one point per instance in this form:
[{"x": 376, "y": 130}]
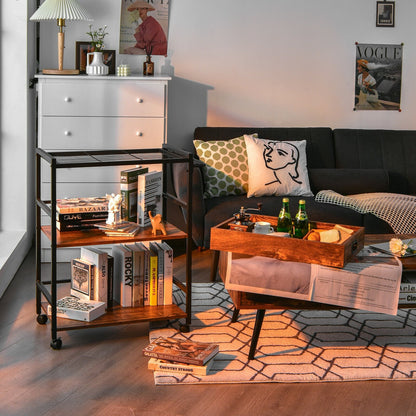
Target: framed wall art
[
  {"x": 385, "y": 14},
  {"x": 378, "y": 76},
  {"x": 81, "y": 50}
]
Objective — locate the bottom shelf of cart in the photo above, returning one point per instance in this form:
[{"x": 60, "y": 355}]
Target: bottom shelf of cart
[{"x": 121, "y": 316}]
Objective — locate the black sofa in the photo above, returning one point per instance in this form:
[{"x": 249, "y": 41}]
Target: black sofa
[{"x": 348, "y": 161}]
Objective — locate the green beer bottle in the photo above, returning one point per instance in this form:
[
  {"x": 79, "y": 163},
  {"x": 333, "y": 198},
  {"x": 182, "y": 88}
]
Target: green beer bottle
[
  {"x": 284, "y": 221},
  {"x": 301, "y": 221}
]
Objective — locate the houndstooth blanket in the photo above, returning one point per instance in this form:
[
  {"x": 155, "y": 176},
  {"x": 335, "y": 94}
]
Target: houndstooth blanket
[{"x": 398, "y": 210}]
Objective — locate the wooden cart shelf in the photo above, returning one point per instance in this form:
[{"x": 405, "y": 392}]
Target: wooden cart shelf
[
  {"x": 98, "y": 237},
  {"x": 122, "y": 316},
  {"x": 47, "y": 289}
]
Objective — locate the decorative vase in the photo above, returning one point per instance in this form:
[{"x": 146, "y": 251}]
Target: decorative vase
[
  {"x": 97, "y": 66},
  {"x": 148, "y": 66}
]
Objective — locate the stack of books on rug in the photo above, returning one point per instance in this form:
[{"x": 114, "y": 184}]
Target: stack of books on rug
[{"x": 184, "y": 356}]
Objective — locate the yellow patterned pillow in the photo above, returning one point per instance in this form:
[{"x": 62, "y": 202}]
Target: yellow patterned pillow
[{"x": 226, "y": 168}]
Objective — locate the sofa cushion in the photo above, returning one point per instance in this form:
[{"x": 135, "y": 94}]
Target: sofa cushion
[
  {"x": 319, "y": 149},
  {"x": 277, "y": 167},
  {"x": 349, "y": 181},
  {"x": 392, "y": 150},
  {"x": 225, "y": 167}
]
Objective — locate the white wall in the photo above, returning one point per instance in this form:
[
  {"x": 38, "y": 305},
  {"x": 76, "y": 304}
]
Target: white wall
[
  {"x": 17, "y": 138},
  {"x": 263, "y": 62}
]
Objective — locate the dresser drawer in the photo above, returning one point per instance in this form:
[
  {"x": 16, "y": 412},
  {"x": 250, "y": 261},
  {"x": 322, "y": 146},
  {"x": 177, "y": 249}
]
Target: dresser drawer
[
  {"x": 97, "y": 133},
  {"x": 102, "y": 98}
]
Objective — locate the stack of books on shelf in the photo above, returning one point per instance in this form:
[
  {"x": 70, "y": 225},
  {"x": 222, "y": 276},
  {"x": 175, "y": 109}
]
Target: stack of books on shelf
[
  {"x": 91, "y": 286},
  {"x": 121, "y": 229},
  {"x": 143, "y": 275},
  {"x": 134, "y": 275},
  {"x": 74, "y": 214},
  {"x": 407, "y": 289},
  {"x": 141, "y": 192},
  {"x": 149, "y": 196},
  {"x": 184, "y": 356},
  {"x": 128, "y": 191}
]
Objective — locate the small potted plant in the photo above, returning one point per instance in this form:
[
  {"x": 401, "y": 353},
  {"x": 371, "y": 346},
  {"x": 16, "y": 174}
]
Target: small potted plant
[
  {"x": 97, "y": 66},
  {"x": 97, "y": 38}
]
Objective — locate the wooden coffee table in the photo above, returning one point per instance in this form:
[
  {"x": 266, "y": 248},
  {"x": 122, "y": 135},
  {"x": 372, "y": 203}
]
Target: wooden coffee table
[{"x": 245, "y": 300}]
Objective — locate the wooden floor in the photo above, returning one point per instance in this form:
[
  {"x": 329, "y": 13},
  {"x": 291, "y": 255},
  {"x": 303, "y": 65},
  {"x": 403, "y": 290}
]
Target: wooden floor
[{"x": 102, "y": 372}]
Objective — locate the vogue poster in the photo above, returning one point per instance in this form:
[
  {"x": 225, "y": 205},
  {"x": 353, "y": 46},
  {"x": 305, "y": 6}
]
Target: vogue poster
[
  {"x": 144, "y": 27},
  {"x": 378, "y": 77}
]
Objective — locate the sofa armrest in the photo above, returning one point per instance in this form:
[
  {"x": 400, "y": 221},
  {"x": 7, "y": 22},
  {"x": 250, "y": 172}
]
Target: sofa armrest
[
  {"x": 349, "y": 181},
  {"x": 180, "y": 185}
]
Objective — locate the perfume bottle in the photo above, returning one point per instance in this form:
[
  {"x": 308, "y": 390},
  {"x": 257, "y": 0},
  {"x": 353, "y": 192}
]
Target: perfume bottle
[{"x": 148, "y": 66}]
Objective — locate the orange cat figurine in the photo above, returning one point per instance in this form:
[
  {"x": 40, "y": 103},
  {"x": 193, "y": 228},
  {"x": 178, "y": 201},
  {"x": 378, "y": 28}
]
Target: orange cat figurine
[{"x": 157, "y": 223}]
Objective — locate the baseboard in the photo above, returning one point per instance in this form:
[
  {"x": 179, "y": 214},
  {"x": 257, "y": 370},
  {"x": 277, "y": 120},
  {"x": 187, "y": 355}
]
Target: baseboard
[{"x": 14, "y": 246}]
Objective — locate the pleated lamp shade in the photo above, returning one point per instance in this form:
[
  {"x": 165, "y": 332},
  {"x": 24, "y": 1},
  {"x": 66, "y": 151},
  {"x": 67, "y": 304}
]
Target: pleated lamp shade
[{"x": 60, "y": 10}]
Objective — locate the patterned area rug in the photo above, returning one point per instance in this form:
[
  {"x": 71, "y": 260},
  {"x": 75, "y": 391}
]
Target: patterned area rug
[{"x": 295, "y": 346}]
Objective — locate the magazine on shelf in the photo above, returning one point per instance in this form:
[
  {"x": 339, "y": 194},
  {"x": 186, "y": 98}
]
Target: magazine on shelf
[
  {"x": 121, "y": 229},
  {"x": 79, "y": 217},
  {"x": 76, "y": 226},
  {"x": 71, "y": 307},
  {"x": 181, "y": 350},
  {"x": 82, "y": 279},
  {"x": 76, "y": 205},
  {"x": 369, "y": 281}
]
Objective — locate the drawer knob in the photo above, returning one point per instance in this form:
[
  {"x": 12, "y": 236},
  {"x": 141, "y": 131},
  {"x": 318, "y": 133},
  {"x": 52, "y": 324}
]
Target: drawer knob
[
  {"x": 139, "y": 100},
  {"x": 139, "y": 134},
  {"x": 67, "y": 99},
  {"x": 67, "y": 133}
]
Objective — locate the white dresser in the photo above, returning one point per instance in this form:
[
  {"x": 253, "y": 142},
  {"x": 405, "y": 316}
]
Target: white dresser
[{"x": 98, "y": 112}]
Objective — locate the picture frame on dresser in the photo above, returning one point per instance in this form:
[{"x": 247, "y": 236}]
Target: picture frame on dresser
[{"x": 81, "y": 50}]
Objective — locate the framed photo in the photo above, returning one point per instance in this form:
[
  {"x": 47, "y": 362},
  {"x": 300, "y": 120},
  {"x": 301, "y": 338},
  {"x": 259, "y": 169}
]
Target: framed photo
[
  {"x": 385, "y": 14},
  {"x": 81, "y": 50}
]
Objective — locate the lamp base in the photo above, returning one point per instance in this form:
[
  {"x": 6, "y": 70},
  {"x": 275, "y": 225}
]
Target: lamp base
[{"x": 60, "y": 71}]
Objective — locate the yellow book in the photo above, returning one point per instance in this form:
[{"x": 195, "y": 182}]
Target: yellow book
[{"x": 153, "y": 278}]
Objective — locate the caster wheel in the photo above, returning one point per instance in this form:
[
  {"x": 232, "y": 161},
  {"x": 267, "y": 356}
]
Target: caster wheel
[
  {"x": 184, "y": 328},
  {"x": 42, "y": 319},
  {"x": 56, "y": 344}
]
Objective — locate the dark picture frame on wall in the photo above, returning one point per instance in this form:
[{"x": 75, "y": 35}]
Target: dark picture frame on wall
[
  {"x": 81, "y": 50},
  {"x": 385, "y": 14}
]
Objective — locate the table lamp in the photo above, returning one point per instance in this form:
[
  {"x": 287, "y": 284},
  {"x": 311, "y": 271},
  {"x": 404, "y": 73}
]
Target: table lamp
[{"x": 60, "y": 10}]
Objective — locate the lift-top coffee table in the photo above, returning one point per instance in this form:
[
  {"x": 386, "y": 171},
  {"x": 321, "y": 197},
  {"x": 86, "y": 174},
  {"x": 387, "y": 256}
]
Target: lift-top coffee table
[{"x": 261, "y": 303}]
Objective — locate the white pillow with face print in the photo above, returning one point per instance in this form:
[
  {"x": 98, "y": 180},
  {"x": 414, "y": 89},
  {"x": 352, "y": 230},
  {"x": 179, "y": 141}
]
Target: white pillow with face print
[{"x": 277, "y": 167}]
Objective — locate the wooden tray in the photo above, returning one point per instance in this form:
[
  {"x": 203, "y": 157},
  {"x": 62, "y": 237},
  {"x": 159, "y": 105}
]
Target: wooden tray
[{"x": 286, "y": 248}]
